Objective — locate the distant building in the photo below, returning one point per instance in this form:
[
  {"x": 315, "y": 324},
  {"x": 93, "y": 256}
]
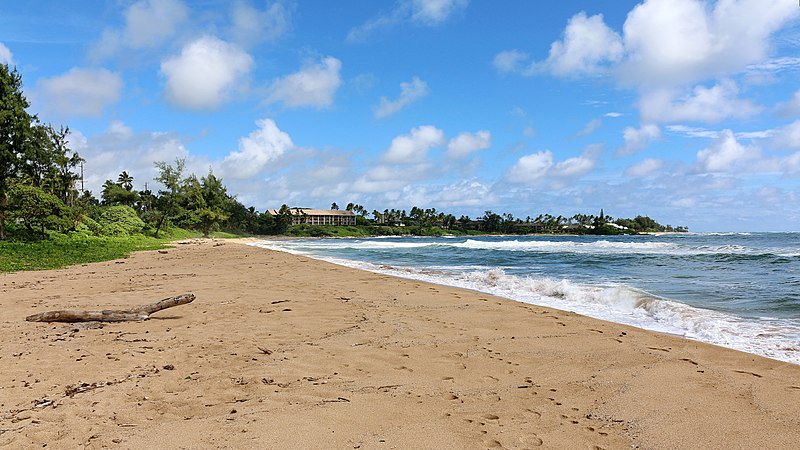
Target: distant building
[{"x": 319, "y": 216}]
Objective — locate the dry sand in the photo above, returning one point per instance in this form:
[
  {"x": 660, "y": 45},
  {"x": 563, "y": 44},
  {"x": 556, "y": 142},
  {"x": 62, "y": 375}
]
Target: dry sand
[{"x": 280, "y": 351}]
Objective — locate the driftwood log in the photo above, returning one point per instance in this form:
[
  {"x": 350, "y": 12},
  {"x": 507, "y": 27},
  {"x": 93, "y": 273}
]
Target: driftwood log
[{"x": 111, "y": 315}]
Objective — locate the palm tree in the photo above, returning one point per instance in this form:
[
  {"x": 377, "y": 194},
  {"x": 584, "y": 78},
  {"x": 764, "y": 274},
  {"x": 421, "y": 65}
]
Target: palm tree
[{"x": 125, "y": 180}]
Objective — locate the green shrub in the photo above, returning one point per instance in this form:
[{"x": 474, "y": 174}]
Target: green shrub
[{"x": 119, "y": 220}]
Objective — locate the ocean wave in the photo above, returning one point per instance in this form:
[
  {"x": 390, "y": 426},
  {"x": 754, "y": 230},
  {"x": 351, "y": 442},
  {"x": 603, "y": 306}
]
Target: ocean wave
[{"x": 625, "y": 247}]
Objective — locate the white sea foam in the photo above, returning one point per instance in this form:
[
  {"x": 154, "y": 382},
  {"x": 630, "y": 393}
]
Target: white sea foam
[{"x": 774, "y": 338}]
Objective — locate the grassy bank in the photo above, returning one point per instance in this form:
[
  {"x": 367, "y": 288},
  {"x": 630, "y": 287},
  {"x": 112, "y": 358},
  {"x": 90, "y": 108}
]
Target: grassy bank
[
  {"x": 66, "y": 250},
  {"x": 61, "y": 251}
]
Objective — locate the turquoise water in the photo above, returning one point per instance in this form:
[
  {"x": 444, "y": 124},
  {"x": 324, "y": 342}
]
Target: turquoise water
[{"x": 739, "y": 290}]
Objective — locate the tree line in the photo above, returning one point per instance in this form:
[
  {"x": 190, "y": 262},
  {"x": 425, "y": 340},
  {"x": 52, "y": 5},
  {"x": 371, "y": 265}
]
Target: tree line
[{"x": 39, "y": 193}]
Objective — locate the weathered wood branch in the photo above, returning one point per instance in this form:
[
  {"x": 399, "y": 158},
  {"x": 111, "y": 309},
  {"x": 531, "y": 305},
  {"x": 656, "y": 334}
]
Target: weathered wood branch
[{"x": 111, "y": 315}]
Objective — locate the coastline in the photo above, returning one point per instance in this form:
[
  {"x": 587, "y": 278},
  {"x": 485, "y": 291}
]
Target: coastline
[{"x": 294, "y": 352}]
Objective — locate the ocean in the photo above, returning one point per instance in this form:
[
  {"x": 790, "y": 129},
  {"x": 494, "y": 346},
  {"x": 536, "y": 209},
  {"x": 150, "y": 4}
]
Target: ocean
[{"x": 737, "y": 290}]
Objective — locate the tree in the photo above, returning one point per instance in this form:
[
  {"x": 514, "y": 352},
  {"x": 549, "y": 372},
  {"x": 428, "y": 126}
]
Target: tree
[
  {"x": 334, "y": 206},
  {"x": 125, "y": 180},
  {"x": 117, "y": 194},
  {"x": 36, "y": 209},
  {"x": 206, "y": 205},
  {"x": 491, "y": 221},
  {"x": 15, "y": 130},
  {"x": 169, "y": 200},
  {"x": 212, "y": 206}
]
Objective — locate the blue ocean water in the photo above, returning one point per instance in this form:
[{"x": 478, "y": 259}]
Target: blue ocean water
[{"x": 739, "y": 290}]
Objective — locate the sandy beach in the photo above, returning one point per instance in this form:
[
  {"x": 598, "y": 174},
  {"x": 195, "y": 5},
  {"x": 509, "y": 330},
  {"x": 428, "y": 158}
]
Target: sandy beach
[{"x": 281, "y": 351}]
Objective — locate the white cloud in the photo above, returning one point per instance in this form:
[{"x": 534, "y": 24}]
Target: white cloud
[
  {"x": 433, "y": 12},
  {"x": 638, "y": 139},
  {"x": 578, "y": 165},
  {"x": 788, "y": 136},
  {"x": 511, "y": 61},
  {"x": 681, "y": 41},
  {"x": 5, "y": 55},
  {"x": 587, "y": 47},
  {"x": 423, "y": 12},
  {"x": 791, "y": 107},
  {"x": 467, "y": 143},
  {"x": 250, "y": 25},
  {"x": 256, "y": 150},
  {"x": 538, "y": 167},
  {"x": 409, "y": 93},
  {"x": 703, "y": 104},
  {"x": 706, "y": 133},
  {"x": 205, "y": 73},
  {"x": 119, "y": 129},
  {"x": 590, "y": 127},
  {"x": 148, "y": 24},
  {"x": 532, "y": 168},
  {"x": 667, "y": 43},
  {"x": 644, "y": 168},
  {"x": 725, "y": 154},
  {"x": 315, "y": 85},
  {"x": 79, "y": 92},
  {"x": 613, "y": 114},
  {"x": 413, "y": 147}
]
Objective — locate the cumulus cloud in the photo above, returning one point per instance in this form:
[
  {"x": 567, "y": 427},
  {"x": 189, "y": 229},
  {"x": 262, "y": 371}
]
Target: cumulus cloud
[
  {"x": 256, "y": 150},
  {"x": 578, "y": 165},
  {"x": 638, "y": 139},
  {"x": 423, "y": 12},
  {"x": 788, "y": 136},
  {"x": 703, "y": 104},
  {"x": 725, "y": 154},
  {"x": 664, "y": 42},
  {"x": 673, "y": 41},
  {"x": 644, "y": 168},
  {"x": 532, "y": 168},
  {"x": 538, "y": 167},
  {"x": 588, "y": 46},
  {"x": 314, "y": 85},
  {"x": 148, "y": 24},
  {"x": 5, "y": 55},
  {"x": 413, "y": 147},
  {"x": 409, "y": 93},
  {"x": 467, "y": 143},
  {"x": 205, "y": 73},
  {"x": 250, "y": 25},
  {"x": 79, "y": 92}
]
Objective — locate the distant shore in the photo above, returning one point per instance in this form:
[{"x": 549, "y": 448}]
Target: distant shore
[{"x": 282, "y": 351}]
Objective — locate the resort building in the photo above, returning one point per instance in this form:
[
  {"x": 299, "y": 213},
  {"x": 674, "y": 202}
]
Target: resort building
[{"x": 319, "y": 216}]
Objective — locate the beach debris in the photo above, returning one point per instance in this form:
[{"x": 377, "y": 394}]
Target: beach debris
[
  {"x": 265, "y": 351},
  {"x": 111, "y": 315}
]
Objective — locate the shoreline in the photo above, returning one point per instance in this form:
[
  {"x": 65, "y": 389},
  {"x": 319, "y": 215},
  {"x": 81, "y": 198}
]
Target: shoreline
[{"x": 297, "y": 352}]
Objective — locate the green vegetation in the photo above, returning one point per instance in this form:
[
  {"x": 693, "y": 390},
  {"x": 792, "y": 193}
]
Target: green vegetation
[{"x": 60, "y": 251}]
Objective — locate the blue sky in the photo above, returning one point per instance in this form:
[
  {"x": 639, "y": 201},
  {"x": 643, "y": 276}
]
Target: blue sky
[{"x": 684, "y": 110}]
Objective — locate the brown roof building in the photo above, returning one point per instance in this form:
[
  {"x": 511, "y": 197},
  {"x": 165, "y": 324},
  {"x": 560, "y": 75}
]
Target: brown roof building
[{"x": 319, "y": 216}]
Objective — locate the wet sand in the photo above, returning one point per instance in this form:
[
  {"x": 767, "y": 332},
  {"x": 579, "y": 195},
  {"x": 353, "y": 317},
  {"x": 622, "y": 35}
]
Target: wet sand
[{"x": 281, "y": 351}]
